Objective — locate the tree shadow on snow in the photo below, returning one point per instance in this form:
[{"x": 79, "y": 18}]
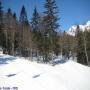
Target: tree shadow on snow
[
  {"x": 35, "y": 76},
  {"x": 5, "y": 60},
  {"x": 10, "y": 75},
  {"x": 59, "y": 61}
]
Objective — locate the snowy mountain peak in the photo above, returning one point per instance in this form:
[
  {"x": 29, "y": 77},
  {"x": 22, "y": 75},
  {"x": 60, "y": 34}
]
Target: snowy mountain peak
[
  {"x": 88, "y": 23},
  {"x": 72, "y": 29}
]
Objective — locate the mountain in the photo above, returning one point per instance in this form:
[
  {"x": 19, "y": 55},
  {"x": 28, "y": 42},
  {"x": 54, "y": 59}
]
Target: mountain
[{"x": 72, "y": 29}]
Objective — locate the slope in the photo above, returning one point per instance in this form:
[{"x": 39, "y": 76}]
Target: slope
[{"x": 20, "y": 74}]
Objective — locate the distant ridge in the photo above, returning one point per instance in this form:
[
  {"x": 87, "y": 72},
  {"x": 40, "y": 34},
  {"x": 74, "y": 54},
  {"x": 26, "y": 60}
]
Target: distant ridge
[{"x": 72, "y": 29}]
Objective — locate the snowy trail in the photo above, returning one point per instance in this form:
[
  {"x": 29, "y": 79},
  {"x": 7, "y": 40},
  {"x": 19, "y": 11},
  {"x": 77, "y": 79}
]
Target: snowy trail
[{"x": 28, "y": 75}]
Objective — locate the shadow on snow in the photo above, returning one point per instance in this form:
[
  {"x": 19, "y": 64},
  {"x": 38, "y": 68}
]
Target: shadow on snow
[
  {"x": 10, "y": 75},
  {"x": 5, "y": 60},
  {"x": 59, "y": 61},
  {"x": 35, "y": 76}
]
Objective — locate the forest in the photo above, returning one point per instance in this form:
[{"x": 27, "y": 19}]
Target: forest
[{"x": 41, "y": 37}]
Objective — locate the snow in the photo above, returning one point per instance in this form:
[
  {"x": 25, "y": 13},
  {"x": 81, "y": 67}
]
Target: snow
[
  {"x": 20, "y": 74},
  {"x": 72, "y": 30},
  {"x": 88, "y": 23}
]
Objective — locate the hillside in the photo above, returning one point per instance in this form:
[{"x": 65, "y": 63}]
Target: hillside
[{"x": 21, "y": 74}]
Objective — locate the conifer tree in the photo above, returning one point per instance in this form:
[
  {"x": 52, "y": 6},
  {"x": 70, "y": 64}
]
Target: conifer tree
[
  {"x": 37, "y": 34},
  {"x": 9, "y": 29},
  {"x": 88, "y": 44},
  {"x": 35, "y": 20},
  {"x": 51, "y": 25},
  {"x": 81, "y": 57},
  {"x": 2, "y": 36},
  {"x": 23, "y": 15},
  {"x": 35, "y": 25},
  {"x": 23, "y": 24},
  {"x": 15, "y": 33}
]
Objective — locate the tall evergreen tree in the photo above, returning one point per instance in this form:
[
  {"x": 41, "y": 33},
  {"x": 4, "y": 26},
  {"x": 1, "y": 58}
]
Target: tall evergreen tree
[
  {"x": 37, "y": 34},
  {"x": 9, "y": 30},
  {"x": 51, "y": 25},
  {"x": 1, "y": 13},
  {"x": 81, "y": 57},
  {"x": 35, "y": 20},
  {"x": 88, "y": 44},
  {"x": 16, "y": 33},
  {"x": 35, "y": 26},
  {"x": 13, "y": 33},
  {"x": 23, "y": 15},
  {"x": 23, "y": 24},
  {"x": 2, "y": 40}
]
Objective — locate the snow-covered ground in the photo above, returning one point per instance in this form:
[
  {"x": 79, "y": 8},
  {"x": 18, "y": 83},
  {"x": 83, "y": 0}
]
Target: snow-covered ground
[{"x": 20, "y": 74}]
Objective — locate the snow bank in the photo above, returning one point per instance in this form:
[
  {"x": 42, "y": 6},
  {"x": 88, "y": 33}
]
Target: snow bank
[{"x": 21, "y": 74}]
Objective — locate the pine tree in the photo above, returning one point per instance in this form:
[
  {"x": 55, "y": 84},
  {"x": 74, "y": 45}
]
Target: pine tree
[
  {"x": 36, "y": 31},
  {"x": 13, "y": 33},
  {"x": 35, "y": 26},
  {"x": 8, "y": 32},
  {"x": 81, "y": 57},
  {"x": 88, "y": 44},
  {"x": 51, "y": 25},
  {"x": 65, "y": 44},
  {"x": 23, "y": 15},
  {"x": 1, "y": 14},
  {"x": 35, "y": 20},
  {"x": 23, "y": 24},
  {"x": 2, "y": 36}
]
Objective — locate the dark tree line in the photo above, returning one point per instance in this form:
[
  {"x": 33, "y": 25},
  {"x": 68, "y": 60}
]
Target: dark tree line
[
  {"x": 77, "y": 46},
  {"x": 27, "y": 38},
  {"x": 83, "y": 46}
]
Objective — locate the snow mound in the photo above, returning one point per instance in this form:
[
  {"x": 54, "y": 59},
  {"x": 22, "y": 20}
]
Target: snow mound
[{"x": 21, "y": 74}]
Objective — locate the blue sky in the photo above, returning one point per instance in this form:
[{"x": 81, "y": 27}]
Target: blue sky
[{"x": 70, "y": 11}]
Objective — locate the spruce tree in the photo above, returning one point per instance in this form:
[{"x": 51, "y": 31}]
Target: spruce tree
[
  {"x": 35, "y": 25},
  {"x": 16, "y": 36},
  {"x": 2, "y": 36},
  {"x": 1, "y": 15},
  {"x": 81, "y": 57},
  {"x": 37, "y": 34},
  {"x": 23, "y": 15},
  {"x": 88, "y": 44},
  {"x": 51, "y": 25},
  {"x": 13, "y": 33},
  {"x": 8, "y": 32},
  {"x": 35, "y": 20},
  {"x": 23, "y": 24}
]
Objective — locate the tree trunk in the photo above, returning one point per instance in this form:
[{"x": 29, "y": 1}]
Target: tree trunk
[
  {"x": 12, "y": 51},
  {"x": 85, "y": 48}
]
